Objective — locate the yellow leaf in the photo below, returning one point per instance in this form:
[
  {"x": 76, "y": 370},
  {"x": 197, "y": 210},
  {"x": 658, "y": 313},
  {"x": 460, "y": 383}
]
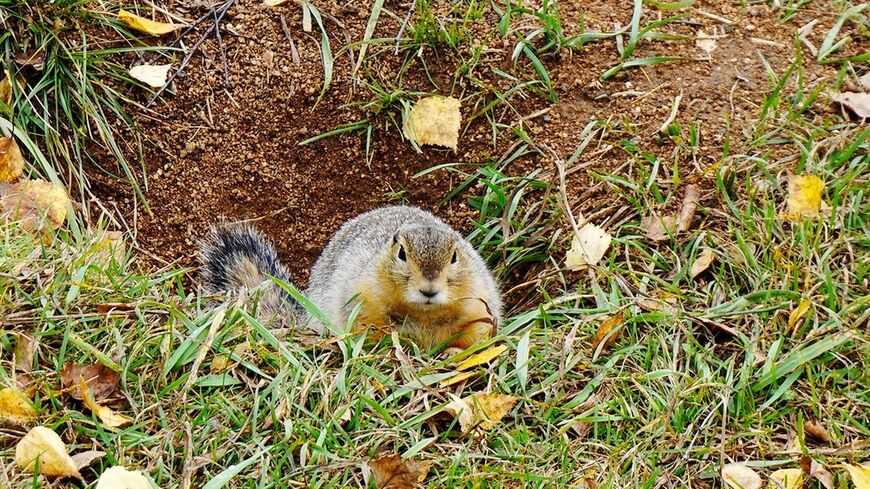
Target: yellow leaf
[
  {"x": 109, "y": 417},
  {"x": 739, "y": 476},
  {"x": 32, "y": 200},
  {"x": 15, "y": 406},
  {"x": 42, "y": 446},
  {"x": 11, "y": 160},
  {"x": 434, "y": 120},
  {"x": 394, "y": 472},
  {"x": 786, "y": 479},
  {"x": 606, "y": 333},
  {"x": 120, "y": 478},
  {"x": 6, "y": 91},
  {"x": 458, "y": 407},
  {"x": 804, "y": 196},
  {"x": 588, "y": 246},
  {"x": 860, "y": 475},
  {"x": 797, "y": 314},
  {"x": 701, "y": 263},
  {"x": 151, "y": 75},
  {"x": 146, "y": 25},
  {"x": 480, "y": 358},
  {"x": 459, "y": 377},
  {"x": 489, "y": 409}
]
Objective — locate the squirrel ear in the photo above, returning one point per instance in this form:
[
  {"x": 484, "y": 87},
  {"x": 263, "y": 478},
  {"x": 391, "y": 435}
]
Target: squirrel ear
[{"x": 396, "y": 238}]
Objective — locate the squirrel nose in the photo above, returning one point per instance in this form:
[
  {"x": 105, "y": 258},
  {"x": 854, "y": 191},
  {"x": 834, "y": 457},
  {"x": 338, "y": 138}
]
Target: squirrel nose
[{"x": 429, "y": 293}]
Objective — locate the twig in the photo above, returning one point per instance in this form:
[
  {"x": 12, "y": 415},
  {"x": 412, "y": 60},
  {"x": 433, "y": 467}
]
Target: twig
[
  {"x": 714, "y": 17},
  {"x": 190, "y": 53},
  {"x": 217, "y": 35},
  {"x": 405, "y": 23},
  {"x": 294, "y": 54}
]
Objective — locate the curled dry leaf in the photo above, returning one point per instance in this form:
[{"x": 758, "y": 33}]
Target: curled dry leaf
[
  {"x": 11, "y": 160},
  {"x": 658, "y": 228},
  {"x": 147, "y": 26},
  {"x": 701, "y": 263},
  {"x": 34, "y": 202},
  {"x": 739, "y": 476},
  {"x": 804, "y": 196},
  {"x": 85, "y": 459},
  {"x": 120, "y": 478},
  {"x": 688, "y": 208},
  {"x": 435, "y": 121},
  {"x": 817, "y": 472},
  {"x": 15, "y": 407},
  {"x": 588, "y": 246},
  {"x": 857, "y": 102},
  {"x": 103, "y": 382},
  {"x": 42, "y": 445},
  {"x": 109, "y": 417},
  {"x": 786, "y": 479},
  {"x": 25, "y": 349},
  {"x": 35, "y": 58},
  {"x": 608, "y": 331},
  {"x": 816, "y": 430},
  {"x": 392, "y": 472},
  {"x": 860, "y": 475},
  {"x": 151, "y": 75}
]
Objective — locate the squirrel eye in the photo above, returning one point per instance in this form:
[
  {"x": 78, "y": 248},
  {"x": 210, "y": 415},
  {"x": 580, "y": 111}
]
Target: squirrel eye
[
  {"x": 454, "y": 257},
  {"x": 402, "y": 255}
]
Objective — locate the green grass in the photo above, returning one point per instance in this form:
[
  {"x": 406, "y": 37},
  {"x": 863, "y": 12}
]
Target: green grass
[{"x": 706, "y": 371}]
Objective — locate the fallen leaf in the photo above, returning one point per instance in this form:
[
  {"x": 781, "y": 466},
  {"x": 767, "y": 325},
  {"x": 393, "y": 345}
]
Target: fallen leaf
[
  {"x": 6, "y": 90},
  {"x": 857, "y": 102},
  {"x": 739, "y": 476},
  {"x": 797, "y": 314},
  {"x": 459, "y": 377},
  {"x": 109, "y": 417},
  {"x": 865, "y": 81},
  {"x": 459, "y": 408},
  {"x": 804, "y": 196},
  {"x": 146, "y": 25},
  {"x": 274, "y": 3},
  {"x": 659, "y": 228},
  {"x": 151, "y": 75},
  {"x": 35, "y": 58},
  {"x": 480, "y": 358},
  {"x": 701, "y": 263},
  {"x": 220, "y": 363},
  {"x": 15, "y": 407},
  {"x": 860, "y": 475},
  {"x": 706, "y": 44},
  {"x": 120, "y": 478},
  {"x": 786, "y": 479},
  {"x": 392, "y": 472},
  {"x": 817, "y": 431},
  {"x": 435, "y": 121},
  {"x": 25, "y": 349},
  {"x": 608, "y": 331},
  {"x": 816, "y": 471},
  {"x": 11, "y": 160},
  {"x": 489, "y": 409},
  {"x": 688, "y": 208},
  {"x": 588, "y": 246},
  {"x": 32, "y": 202},
  {"x": 42, "y": 445},
  {"x": 102, "y": 381},
  {"x": 85, "y": 459}
]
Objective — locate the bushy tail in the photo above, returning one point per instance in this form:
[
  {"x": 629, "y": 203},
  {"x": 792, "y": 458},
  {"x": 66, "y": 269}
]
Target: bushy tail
[{"x": 236, "y": 257}]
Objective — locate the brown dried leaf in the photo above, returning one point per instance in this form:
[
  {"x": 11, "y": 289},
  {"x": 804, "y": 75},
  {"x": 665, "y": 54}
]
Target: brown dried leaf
[
  {"x": 33, "y": 202},
  {"x": 103, "y": 382},
  {"x": 817, "y": 431},
  {"x": 434, "y": 121},
  {"x": 109, "y": 418},
  {"x": 32, "y": 57},
  {"x": 391, "y": 472},
  {"x": 688, "y": 208},
  {"x": 85, "y": 459},
  {"x": 739, "y": 476},
  {"x": 15, "y": 407},
  {"x": 658, "y": 228},
  {"x": 147, "y": 26},
  {"x": 608, "y": 331},
  {"x": 11, "y": 160},
  {"x": 857, "y": 102},
  {"x": 43, "y": 445},
  {"x": 816, "y": 471},
  {"x": 25, "y": 349},
  {"x": 701, "y": 263}
]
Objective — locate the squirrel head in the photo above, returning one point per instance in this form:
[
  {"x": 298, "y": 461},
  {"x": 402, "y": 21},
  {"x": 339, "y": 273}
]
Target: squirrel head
[{"x": 426, "y": 262}]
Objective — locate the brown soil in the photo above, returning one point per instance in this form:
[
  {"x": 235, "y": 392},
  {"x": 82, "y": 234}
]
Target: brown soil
[{"x": 225, "y": 146}]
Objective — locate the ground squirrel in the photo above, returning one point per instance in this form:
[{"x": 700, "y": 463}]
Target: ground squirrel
[{"x": 407, "y": 268}]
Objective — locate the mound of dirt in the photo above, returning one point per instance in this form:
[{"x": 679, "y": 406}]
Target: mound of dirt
[{"x": 224, "y": 143}]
